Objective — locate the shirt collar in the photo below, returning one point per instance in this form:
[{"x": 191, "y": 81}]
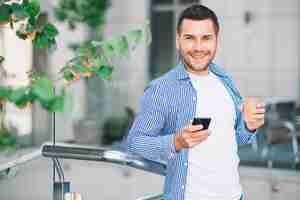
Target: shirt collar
[{"x": 182, "y": 74}]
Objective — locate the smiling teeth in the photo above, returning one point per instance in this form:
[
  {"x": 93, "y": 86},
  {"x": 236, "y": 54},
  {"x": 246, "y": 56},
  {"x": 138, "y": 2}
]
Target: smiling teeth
[{"x": 198, "y": 56}]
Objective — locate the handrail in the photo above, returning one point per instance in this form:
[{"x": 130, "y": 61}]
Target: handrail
[
  {"x": 152, "y": 197},
  {"x": 80, "y": 152},
  {"x": 14, "y": 162}
]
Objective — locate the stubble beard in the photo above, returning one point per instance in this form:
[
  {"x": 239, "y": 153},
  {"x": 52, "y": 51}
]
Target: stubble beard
[{"x": 195, "y": 67}]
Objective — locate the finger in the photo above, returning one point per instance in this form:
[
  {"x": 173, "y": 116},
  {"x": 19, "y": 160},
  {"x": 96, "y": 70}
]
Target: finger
[
  {"x": 260, "y": 111},
  {"x": 199, "y": 134},
  {"x": 257, "y": 123},
  {"x": 194, "y": 128},
  {"x": 193, "y": 142},
  {"x": 258, "y": 116},
  {"x": 199, "y": 139},
  {"x": 196, "y": 137},
  {"x": 188, "y": 143},
  {"x": 253, "y": 121},
  {"x": 261, "y": 121},
  {"x": 261, "y": 105},
  {"x": 254, "y": 117}
]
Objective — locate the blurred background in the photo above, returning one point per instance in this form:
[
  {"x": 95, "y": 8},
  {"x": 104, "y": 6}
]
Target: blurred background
[{"x": 260, "y": 43}]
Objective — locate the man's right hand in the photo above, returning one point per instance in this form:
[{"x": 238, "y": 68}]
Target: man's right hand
[{"x": 190, "y": 136}]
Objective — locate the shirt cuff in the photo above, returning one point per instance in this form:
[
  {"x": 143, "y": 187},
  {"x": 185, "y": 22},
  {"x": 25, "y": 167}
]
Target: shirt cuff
[
  {"x": 169, "y": 149},
  {"x": 251, "y": 134}
]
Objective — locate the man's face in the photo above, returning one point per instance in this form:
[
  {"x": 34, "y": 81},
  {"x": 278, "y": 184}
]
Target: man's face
[{"x": 197, "y": 43}]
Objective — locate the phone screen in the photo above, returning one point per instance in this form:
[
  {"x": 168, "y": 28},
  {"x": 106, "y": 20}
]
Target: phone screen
[{"x": 203, "y": 121}]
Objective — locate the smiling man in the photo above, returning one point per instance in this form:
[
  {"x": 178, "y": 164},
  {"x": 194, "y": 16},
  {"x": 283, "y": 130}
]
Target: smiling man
[{"x": 202, "y": 164}]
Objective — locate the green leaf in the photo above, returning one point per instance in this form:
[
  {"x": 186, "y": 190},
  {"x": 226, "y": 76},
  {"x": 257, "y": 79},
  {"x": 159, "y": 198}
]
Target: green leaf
[
  {"x": 147, "y": 34},
  {"x": 22, "y": 101},
  {"x": 80, "y": 68},
  {"x": 4, "y": 13},
  {"x": 105, "y": 72},
  {"x": 32, "y": 8},
  {"x": 32, "y": 21},
  {"x": 52, "y": 46},
  {"x": 134, "y": 37},
  {"x": 18, "y": 95},
  {"x": 41, "y": 41},
  {"x": 18, "y": 11},
  {"x": 21, "y": 35},
  {"x": 46, "y": 38},
  {"x": 107, "y": 48},
  {"x": 120, "y": 45},
  {"x": 56, "y": 104},
  {"x": 60, "y": 14},
  {"x": 5, "y": 92},
  {"x": 68, "y": 75},
  {"x": 50, "y": 30},
  {"x": 30, "y": 27},
  {"x": 42, "y": 89},
  {"x": 1, "y": 59},
  {"x": 7, "y": 140},
  {"x": 98, "y": 62},
  {"x": 85, "y": 49}
]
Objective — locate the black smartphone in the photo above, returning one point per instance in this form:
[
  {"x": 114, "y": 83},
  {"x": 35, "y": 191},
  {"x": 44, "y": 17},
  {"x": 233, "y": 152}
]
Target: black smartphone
[{"x": 203, "y": 121}]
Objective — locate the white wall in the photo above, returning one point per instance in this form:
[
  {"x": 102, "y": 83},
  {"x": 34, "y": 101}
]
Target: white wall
[
  {"x": 77, "y": 90},
  {"x": 262, "y": 56},
  {"x": 18, "y": 61},
  {"x": 131, "y": 73}
]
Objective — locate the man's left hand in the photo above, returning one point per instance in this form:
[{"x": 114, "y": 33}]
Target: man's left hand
[{"x": 254, "y": 113}]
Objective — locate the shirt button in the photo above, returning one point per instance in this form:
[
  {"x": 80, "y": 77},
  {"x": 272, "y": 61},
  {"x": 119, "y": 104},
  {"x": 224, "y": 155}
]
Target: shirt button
[
  {"x": 185, "y": 164},
  {"x": 194, "y": 98},
  {"x": 182, "y": 186}
]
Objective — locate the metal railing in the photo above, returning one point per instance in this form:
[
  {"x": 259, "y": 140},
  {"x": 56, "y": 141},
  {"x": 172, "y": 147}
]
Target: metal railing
[
  {"x": 152, "y": 197},
  {"x": 79, "y": 152},
  {"x": 18, "y": 160}
]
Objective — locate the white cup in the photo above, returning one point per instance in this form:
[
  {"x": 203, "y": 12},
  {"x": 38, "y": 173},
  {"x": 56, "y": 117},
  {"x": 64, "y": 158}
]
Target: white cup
[{"x": 72, "y": 196}]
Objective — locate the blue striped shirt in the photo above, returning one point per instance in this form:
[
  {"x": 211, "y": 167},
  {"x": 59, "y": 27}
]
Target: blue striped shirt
[{"x": 169, "y": 104}]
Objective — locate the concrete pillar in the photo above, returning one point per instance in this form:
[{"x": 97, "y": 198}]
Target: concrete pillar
[{"x": 18, "y": 61}]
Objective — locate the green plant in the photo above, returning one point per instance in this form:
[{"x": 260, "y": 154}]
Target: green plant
[
  {"x": 93, "y": 58},
  {"x": 7, "y": 140},
  {"x": 32, "y": 24},
  {"x": 114, "y": 129},
  {"x": 89, "y": 12},
  {"x": 41, "y": 89}
]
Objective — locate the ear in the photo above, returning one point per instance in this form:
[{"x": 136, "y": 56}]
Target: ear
[
  {"x": 218, "y": 40},
  {"x": 177, "y": 41}
]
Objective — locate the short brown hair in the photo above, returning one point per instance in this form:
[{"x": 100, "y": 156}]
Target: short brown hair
[{"x": 198, "y": 12}]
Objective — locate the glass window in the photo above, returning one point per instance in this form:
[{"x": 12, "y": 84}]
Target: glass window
[
  {"x": 188, "y": 1},
  {"x": 274, "y": 143},
  {"x": 162, "y": 48},
  {"x": 155, "y": 2}
]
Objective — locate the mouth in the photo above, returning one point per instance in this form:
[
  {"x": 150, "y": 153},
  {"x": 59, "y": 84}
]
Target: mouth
[{"x": 199, "y": 56}]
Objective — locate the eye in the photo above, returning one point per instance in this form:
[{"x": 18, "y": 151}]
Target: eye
[
  {"x": 207, "y": 37},
  {"x": 188, "y": 37}
]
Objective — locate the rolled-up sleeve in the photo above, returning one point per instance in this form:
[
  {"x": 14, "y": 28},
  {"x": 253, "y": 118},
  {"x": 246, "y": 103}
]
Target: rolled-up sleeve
[
  {"x": 146, "y": 137},
  {"x": 244, "y": 136}
]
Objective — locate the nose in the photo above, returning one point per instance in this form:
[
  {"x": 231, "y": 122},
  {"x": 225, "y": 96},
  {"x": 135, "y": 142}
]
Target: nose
[{"x": 198, "y": 45}]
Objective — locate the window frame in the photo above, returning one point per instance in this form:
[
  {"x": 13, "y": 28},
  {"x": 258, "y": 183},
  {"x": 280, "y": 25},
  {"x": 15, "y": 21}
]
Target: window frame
[{"x": 175, "y": 8}]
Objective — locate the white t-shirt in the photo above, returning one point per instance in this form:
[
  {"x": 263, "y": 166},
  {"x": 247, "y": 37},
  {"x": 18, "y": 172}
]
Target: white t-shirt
[{"x": 213, "y": 164}]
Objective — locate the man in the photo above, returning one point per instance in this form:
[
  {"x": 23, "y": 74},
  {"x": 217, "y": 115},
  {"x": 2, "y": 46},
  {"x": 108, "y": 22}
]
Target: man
[{"x": 201, "y": 164}]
